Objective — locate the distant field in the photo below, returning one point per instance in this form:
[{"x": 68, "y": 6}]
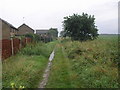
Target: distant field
[
  {"x": 90, "y": 64},
  {"x": 105, "y": 36}
]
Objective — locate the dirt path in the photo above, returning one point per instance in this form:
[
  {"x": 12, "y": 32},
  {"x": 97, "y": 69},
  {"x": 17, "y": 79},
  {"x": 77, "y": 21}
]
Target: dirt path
[
  {"x": 47, "y": 71},
  {"x": 60, "y": 70}
]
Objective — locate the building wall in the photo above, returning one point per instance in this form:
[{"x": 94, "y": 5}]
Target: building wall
[
  {"x": 119, "y": 17},
  {"x": 13, "y": 32},
  {"x": 0, "y": 30},
  {"x": 1, "y": 52},
  {"x": 25, "y": 30},
  {"x": 5, "y": 31}
]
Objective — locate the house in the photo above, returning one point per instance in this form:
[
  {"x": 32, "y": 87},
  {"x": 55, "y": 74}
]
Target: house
[
  {"x": 53, "y": 32},
  {"x": 44, "y": 35},
  {"x": 25, "y": 29},
  {"x": 47, "y": 35},
  {"x": 42, "y": 32},
  {"x": 8, "y": 30}
]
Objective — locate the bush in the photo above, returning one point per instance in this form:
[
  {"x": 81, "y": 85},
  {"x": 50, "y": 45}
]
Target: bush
[
  {"x": 35, "y": 49},
  {"x": 34, "y": 37}
]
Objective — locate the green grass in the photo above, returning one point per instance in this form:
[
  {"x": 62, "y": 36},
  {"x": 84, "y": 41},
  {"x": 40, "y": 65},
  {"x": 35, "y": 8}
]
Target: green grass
[
  {"x": 90, "y": 64},
  {"x": 27, "y": 67},
  {"x": 59, "y": 76},
  {"x": 36, "y": 49}
]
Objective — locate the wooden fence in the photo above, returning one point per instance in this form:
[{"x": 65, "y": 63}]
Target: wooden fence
[{"x": 11, "y": 47}]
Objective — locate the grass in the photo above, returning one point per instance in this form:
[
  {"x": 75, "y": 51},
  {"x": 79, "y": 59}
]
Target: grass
[
  {"x": 59, "y": 76},
  {"x": 27, "y": 67},
  {"x": 90, "y": 64}
]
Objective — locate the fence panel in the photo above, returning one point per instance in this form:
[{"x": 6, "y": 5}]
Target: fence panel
[
  {"x": 16, "y": 45},
  {"x": 6, "y": 48},
  {"x": 28, "y": 40},
  {"x": 23, "y": 42}
]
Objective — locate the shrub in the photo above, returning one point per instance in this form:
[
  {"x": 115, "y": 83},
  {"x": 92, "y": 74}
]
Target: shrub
[
  {"x": 35, "y": 49},
  {"x": 34, "y": 37}
]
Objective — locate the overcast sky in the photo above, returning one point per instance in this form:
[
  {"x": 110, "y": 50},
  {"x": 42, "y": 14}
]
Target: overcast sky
[{"x": 44, "y": 14}]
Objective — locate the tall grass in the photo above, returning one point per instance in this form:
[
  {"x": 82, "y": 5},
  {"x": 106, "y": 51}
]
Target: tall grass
[
  {"x": 90, "y": 64},
  {"x": 23, "y": 70},
  {"x": 37, "y": 49},
  {"x": 27, "y": 67},
  {"x": 94, "y": 62}
]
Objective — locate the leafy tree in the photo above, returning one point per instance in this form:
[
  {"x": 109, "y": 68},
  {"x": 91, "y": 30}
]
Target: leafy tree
[
  {"x": 53, "y": 32},
  {"x": 80, "y": 27},
  {"x": 62, "y": 33},
  {"x": 34, "y": 37}
]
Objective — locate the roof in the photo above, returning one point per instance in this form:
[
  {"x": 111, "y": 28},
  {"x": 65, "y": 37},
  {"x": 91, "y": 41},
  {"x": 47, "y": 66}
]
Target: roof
[
  {"x": 41, "y": 31},
  {"x": 25, "y": 25},
  {"x": 8, "y": 24}
]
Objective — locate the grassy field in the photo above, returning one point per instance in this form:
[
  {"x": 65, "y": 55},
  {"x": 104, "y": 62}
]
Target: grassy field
[
  {"x": 90, "y": 64},
  {"x": 27, "y": 67}
]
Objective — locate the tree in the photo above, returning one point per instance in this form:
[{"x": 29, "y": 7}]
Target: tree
[
  {"x": 80, "y": 27},
  {"x": 34, "y": 37},
  {"x": 62, "y": 33},
  {"x": 53, "y": 32}
]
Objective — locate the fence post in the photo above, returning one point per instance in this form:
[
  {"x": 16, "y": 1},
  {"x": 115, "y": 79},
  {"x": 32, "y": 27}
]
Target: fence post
[{"x": 12, "y": 46}]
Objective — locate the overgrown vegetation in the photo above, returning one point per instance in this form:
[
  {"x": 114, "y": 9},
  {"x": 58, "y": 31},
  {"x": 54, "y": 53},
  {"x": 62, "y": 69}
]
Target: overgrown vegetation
[
  {"x": 27, "y": 67},
  {"x": 34, "y": 37},
  {"x": 90, "y": 64},
  {"x": 36, "y": 49},
  {"x": 53, "y": 33}
]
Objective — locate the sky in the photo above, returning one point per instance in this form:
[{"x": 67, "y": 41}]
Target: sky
[{"x": 44, "y": 14}]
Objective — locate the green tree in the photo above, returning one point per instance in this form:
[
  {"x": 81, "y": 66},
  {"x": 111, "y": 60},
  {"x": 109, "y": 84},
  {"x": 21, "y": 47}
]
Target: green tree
[
  {"x": 80, "y": 27},
  {"x": 53, "y": 32},
  {"x": 34, "y": 37},
  {"x": 62, "y": 33}
]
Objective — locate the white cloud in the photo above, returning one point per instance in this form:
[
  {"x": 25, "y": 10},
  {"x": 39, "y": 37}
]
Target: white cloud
[{"x": 50, "y": 13}]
